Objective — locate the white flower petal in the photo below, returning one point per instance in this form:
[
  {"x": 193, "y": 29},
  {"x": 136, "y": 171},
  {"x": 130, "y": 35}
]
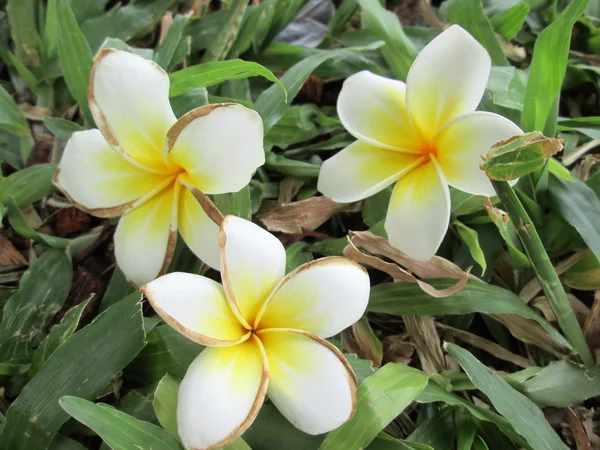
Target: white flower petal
[
  {"x": 198, "y": 231},
  {"x": 447, "y": 79},
  {"x": 361, "y": 170},
  {"x": 99, "y": 180},
  {"x": 373, "y": 109},
  {"x": 219, "y": 145},
  {"x": 252, "y": 263},
  {"x": 221, "y": 395},
  {"x": 195, "y": 306},
  {"x": 129, "y": 98},
  {"x": 323, "y": 297},
  {"x": 145, "y": 237},
  {"x": 310, "y": 381},
  {"x": 419, "y": 212},
  {"x": 462, "y": 141}
]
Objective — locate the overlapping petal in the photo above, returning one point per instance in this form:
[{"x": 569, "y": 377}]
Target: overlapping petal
[
  {"x": 146, "y": 237},
  {"x": 447, "y": 79},
  {"x": 322, "y": 297},
  {"x": 373, "y": 109},
  {"x": 362, "y": 170},
  {"x": 462, "y": 141},
  {"x": 221, "y": 395},
  {"x": 310, "y": 381},
  {"x": 419, "y": 212},
  {"x": 252, "y": 263},
  {"x": 99, "y": 180},
  {"x": 219, "y": 145},
  {"x": 198, "y": 231},
  {"x": 129, "y": 98},
  {"x": 197, "y": 307}
]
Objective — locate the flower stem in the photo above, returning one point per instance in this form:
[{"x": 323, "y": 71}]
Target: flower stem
[{"x": 549, "y": 281}]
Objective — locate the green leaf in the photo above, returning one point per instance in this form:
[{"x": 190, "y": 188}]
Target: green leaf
[
  {"x": 235, "y": 203},
  {"x": 164, "y": 55},
  {"x": 15, "y": 150},
  {"x": 584, "y": 275},
  {"x": 408, "y": 299},
  {"x": 275, "y": 15},
  {"x": 119, "y": 430},
  {"x": 296, "y": 255},
  {"x": 168, "y": 351},
  {"x": 137, "y": 18},
  {"x": 507, "y": 87},
  {"x": 24, "y": 32},
  {"x": 469, "y": 237},
  {"x": 399, "y": 52},
  {"x": 469, "y": 15},
  {"x": 548, "y": 67},
  {"x": 209, "y": 74},
  {"x": 547, "y": 387},
  {"x": 57, "y": 336},
  {"x": 523, "y": 415},
  {"x": 518, "y": 156},
  {"x": 438, "y": 431},
  {"x": 28, "y": 77},
  {"x": 291, "y": 167},
  {"x": 28, "y": 185},
  {"x": 510, "y": 21},
  {"x": 342, "y": 16},
  {"x": 74, "y": 55},
  {"x": 62, "y": 128},
  {"x": 146, "y": 53},
  {"x": 381, "y": 398},
  {"x": 42, "y": 292},
  {"x": 579, "y": 206},
  {"x": 12, "y": 119},
  {"x": 375, "y": 207},
  {"x": 434, "y": 393},
  {"x": 272, "y": 103},
  {"x": 224, "y": 40},
  {"x": 118, "y": 287},
  {"x": 165, "y": 404},
  {"x": 82, "y": 366}
]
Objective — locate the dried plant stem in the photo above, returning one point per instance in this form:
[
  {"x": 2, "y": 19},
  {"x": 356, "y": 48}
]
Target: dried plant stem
[{"x": 544, "y": 270}]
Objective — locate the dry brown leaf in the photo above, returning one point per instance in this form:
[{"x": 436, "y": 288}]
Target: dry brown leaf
[
  {"x": 288, "y": 189},
  {"x": 360, "y": 339},
  {"x": 436, "y": 267},
  {"x": 36, "y": 113},
  {"x": 165, "y": 23},
  {"x": 426, "y": 340},
  {"x": 307, "y": 214},
  {"x": 591, "y": 327},
  {"x": 580, "y": 308},
  {"x": 396, "y": 272},
  {"x": 533, "y": 288},
  {"x": 531, "y": 332},
  {"x": 579, "y": 435},
  {"x": 398, "y": 350},
  {"x": 9, "y": 255},
  {"x": 491, "y": 347}
]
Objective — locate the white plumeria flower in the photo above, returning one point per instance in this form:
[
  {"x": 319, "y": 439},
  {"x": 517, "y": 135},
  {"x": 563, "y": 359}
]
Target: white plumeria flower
[
  {"x": 265, "y": 334},
  {"x": 141, "y": 161},
  {"x": 423, "y": 135}
]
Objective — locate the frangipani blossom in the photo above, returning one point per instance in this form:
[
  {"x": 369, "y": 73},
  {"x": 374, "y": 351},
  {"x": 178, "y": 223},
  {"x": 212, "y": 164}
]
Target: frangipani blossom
[
  {"x": 422, "y": 135},
  {"x": 265, "y": 332},
  {"x": 141, "y": 161}
]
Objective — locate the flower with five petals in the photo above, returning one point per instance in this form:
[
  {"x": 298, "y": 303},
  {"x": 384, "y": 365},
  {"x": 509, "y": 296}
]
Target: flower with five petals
[
  {"x": 142, "y": 161},
  {"x": 422, "y": 135},
  {"x": 265, "y": 334}
]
